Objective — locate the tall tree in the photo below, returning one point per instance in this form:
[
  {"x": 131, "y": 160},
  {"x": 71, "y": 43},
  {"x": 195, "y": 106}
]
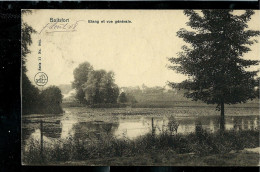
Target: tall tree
[
  {"x": 108, "y": 89},
  {"x": 214, "y": 60},
  {"x": 92, "y": 87},
  {"x": 100, "y": 88},
  {"x": 81, "y": 74},
  {"x": 30, "y": 93}
]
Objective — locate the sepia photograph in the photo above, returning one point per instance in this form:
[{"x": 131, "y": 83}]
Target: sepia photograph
[{"x": 140, "y": 87}]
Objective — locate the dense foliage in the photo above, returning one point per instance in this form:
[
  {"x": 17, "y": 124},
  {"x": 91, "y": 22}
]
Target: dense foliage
[
  {"x": 94, "y": 86},
  {"x": 30, "y": 93},
  {"x": 80, "y": 77},
  {"x": 122, "y": 98},
  {"x": 214, "y": 60},
  {"x": 51, "y": 99}
]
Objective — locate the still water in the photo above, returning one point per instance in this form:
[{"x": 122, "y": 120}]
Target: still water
[{"x": 125, "y": 126}]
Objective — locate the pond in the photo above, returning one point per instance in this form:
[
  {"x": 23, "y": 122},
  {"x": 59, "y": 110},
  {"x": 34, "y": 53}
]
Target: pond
[{"x": 122, "y": 124}]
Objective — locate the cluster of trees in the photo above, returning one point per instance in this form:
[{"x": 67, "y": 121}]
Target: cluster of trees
[
  {"x": 127, "y": 98},
  {"x": 33, "y": 100},
  {"x": 154, "y": 94},
  {"x": 46, "y": 101},
  {"x": 94, "y": 86}
]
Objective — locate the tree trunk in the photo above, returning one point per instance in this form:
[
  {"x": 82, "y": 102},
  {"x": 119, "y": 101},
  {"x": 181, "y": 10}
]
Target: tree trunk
[
  {"x": 153, "y": 129},
  {"x": 222, "y": 118}
]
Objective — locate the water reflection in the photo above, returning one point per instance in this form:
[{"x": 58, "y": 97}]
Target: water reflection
[
  {"x": 131, "y": 127},
  {"x": 67, "y": 123},
  {"x": 52, "y": 130},
  {"x": 93, "y": 130}
]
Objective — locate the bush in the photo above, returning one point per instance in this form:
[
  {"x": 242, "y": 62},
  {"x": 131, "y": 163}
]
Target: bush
[{"x": 51, "y": 99}]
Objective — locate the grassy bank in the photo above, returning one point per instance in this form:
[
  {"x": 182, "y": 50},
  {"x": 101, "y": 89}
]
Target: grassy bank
[
  {"x": 101, "y": 105},
  {"x": 146, "y": 150},
  {"x": 168, "y": 159},
  {"x": 160, "y": 104}
]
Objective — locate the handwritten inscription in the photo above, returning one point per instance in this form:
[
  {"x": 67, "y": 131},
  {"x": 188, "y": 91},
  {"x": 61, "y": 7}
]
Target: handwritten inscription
[{"x": 60, "y": 27}]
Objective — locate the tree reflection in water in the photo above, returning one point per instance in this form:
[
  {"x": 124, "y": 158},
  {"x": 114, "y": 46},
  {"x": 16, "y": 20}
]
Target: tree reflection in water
[
  {"x": 94, "y": 130},
  {"x": 132, "y": 127}
]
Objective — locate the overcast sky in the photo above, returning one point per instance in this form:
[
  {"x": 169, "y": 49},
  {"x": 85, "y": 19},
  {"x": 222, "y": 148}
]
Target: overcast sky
[{"x": 136, "y": 52}]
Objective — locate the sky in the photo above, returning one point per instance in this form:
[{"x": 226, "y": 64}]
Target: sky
[{"x": 136, "y": 52}]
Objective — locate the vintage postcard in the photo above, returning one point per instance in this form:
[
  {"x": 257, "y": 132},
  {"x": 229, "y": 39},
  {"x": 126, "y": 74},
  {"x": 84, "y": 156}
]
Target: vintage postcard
[{"x": 140, "y": 87}]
